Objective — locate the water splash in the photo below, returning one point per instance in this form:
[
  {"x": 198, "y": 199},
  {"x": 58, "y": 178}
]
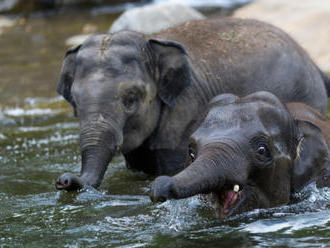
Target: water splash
[
  {"x": 312, "y": 211},
  {"x": 36, "y": 101},
  {"x": 289, "y": 224},
  {"x": 16, "y": 112}
]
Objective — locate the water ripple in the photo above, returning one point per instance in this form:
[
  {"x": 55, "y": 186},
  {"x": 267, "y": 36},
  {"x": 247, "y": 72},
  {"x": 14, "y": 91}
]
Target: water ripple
[
  {"x": 289, "y": 224},
  {"x": 17, "y": 112}
]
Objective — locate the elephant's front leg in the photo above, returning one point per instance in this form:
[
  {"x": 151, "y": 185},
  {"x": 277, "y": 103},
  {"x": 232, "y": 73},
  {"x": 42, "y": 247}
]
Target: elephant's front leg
[{"x": 324, "y": 178}]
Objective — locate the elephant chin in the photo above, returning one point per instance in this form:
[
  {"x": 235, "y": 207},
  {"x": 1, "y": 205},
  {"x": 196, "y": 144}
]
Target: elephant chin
[{"x": 69, "y": 182}]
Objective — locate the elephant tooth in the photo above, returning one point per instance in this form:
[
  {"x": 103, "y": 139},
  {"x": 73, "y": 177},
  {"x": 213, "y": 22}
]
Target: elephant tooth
[{"x": 236, "y": 188}]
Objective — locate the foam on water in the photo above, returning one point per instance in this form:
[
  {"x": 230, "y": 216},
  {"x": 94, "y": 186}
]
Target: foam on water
[
  {"x": 57, "y": 126},
  {"x": 34, "y": 106},
  {"x": 54, "y": 138},
  {"x": 93, "y": 217},
  {"x": 5, "y": 120},
  {"x": 33, "y": 101},
  {"x": 291, "y": 218},
  {"x": 289, "y": 224},
  {"x": 177, "y": 216},
  {"x": 16, "y": 112}
]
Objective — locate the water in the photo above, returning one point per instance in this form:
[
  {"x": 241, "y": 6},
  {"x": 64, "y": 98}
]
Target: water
[{"x": 39, "y": 141}]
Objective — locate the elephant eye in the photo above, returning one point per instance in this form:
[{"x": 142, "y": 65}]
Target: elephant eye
[
  {"x": 261, "y": 150},
  {"x": 192, "y": 153},
  {"x": 263, "y": 153},
  {"x": 129, "y": 100}
]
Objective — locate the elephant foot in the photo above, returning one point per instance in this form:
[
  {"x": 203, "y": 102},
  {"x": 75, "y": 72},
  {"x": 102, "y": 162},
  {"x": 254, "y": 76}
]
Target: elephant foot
[{"x": 69, "y": 182}]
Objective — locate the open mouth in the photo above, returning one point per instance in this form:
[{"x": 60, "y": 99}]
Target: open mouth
[{"x": 225, "y": 201}]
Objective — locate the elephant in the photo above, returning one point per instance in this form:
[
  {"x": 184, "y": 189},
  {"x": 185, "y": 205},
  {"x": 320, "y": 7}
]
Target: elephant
[
  {"x": 251, "y": 152},
  {"x": 142, "y": 95}
]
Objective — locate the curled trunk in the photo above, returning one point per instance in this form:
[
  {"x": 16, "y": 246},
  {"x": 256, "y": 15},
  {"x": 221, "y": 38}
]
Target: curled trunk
[
  {"x": 200, "y": 177},
  {"x": 100, "y": 139},
  {"x": 213, "y": 169},
  {"x": 99, "y": 142}
]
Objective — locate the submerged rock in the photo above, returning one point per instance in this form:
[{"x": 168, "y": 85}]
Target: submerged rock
[
  {"x": 306, "y": 21},
  {"x": 154, "y": 18}
]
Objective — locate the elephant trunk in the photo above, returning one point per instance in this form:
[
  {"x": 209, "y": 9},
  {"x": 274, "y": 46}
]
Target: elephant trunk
[
  {"x": 100, "y": 140},
  {"x": 95, "y": 160},
  {"x": 209, "y": 172},
  {"x": 200, "y": 177}
]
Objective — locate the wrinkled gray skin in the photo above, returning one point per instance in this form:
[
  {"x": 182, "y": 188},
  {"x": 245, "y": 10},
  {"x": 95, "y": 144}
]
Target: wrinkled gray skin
[
  {"x": 142, "y": 95},
  {"x": 256, "y": 142}
]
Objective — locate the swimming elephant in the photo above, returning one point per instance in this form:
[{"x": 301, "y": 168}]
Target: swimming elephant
[
  {"x": 251, "y": 152},
  {"x": 141, "y": 95}
]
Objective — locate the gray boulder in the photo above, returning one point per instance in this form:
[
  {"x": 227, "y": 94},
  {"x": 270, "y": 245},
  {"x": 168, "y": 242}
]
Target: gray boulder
[
  {"x": 6, "y": 5},
  {"x": 6, "y": 22},
  {"x": 154, "y": 18}
]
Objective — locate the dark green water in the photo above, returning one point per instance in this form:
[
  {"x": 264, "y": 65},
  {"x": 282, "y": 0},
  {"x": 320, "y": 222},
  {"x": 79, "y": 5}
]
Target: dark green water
[{"x": 39, "y": 141}]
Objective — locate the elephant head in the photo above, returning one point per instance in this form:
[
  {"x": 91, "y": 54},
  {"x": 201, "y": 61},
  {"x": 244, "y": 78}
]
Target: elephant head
[
  {"x": 248, "y": 153},
  {"x": 117, "y": 85}
]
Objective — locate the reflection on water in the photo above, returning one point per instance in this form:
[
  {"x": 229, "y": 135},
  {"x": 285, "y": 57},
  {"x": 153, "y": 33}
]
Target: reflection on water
[{"x": 39, "y": 141}]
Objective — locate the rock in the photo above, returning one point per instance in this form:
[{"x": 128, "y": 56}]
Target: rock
[
  {"x": 154, "y": 18},
  {"x": 77, "y": 39},
  {"x": 6, "y": 22},
  {"x": 6, "y": 5},
  {"x": 87, "y": 30},
  {"x": 307, "y": 21}
]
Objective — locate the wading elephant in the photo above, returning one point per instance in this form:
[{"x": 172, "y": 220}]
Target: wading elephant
[
  {"x": 142, "y": 95},
  {"x": 251, "y": 152}
]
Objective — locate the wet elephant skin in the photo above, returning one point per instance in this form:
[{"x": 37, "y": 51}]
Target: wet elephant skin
[
  {"x": 251, "y": 152},
  {"x": 142, "y": 95}
]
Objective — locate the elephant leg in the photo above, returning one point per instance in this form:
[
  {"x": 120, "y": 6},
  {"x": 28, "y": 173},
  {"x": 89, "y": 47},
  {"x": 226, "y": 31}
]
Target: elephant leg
[{"x": 324, "y": 179}]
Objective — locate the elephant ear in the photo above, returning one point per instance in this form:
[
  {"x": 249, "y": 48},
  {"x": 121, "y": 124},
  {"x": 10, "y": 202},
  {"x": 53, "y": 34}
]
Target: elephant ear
[
  {"x": 174, "y": 73},
  {"x": 313, "y": 161},
  {"x": 67, "y": 76}
]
